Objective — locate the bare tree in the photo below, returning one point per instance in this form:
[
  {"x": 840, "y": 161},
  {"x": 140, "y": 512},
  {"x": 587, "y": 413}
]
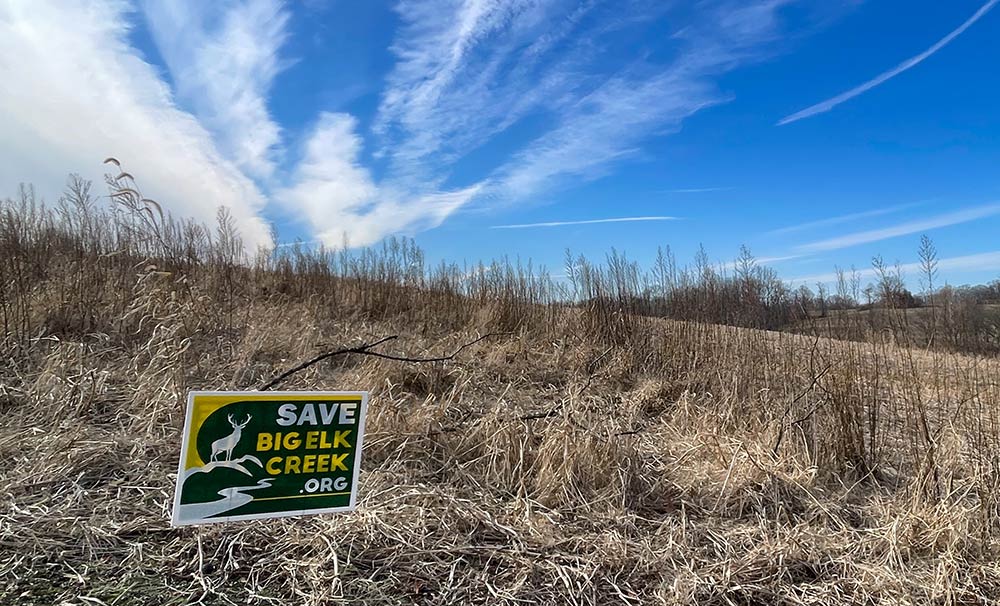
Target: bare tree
[
  {"x": 890, "y": 284},
  {"x": 843, "y": 293},
  {"x": 745, "y": 263},
  {"x": 821, "y": 298},
  {"x": 856, "y": 285}
]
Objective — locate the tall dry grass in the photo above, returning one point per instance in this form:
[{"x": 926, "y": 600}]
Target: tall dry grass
[{"x": 597, "y": 453}]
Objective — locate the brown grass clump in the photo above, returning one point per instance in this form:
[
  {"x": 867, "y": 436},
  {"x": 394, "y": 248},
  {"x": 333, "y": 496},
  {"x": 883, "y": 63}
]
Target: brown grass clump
[{"x": 588, "y": 456}]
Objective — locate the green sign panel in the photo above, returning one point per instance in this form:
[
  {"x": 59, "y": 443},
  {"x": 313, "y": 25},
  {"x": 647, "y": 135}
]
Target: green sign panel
[{"x": 249, "y": 455}]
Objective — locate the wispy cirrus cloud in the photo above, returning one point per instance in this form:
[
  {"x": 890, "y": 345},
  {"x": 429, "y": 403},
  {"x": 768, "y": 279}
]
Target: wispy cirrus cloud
[
  {"x": 986, "y": 261},
  {"x": 223, "y": 58},
  {"x": 612, "y": 120},
  {"x": 467, "y": 71},
  {"x": 602, "y": 128},
  {"x": 840, "y": 219},
  {"x": 584, "y": 222},
  {"x": 902, "y": 229},
  {"x": 829, "y": 104}
]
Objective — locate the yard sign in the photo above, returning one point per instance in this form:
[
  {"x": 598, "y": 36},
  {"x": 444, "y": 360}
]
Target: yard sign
[{"x": 267, "y": 454}]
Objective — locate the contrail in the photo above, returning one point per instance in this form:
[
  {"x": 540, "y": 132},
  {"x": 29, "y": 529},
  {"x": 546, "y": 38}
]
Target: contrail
[
  {"x": 587, "y": 222},
  {"x": 829, "y": 104}
]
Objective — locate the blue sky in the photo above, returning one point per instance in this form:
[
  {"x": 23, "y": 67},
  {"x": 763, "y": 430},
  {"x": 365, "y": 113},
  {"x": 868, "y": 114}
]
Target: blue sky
[{"x": 817, "y": 133}]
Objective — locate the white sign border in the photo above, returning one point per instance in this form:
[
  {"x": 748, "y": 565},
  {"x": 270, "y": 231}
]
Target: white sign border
[{"x": 189, "y": 413}]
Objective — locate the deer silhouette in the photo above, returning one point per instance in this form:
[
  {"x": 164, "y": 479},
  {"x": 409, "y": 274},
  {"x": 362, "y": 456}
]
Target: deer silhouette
[{"x": 228, "y": 443}]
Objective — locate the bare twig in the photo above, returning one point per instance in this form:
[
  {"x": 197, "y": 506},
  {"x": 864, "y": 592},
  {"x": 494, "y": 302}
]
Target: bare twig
[
  {"x": 544, "y": 415},
  {"x": 788, "y": 409}
]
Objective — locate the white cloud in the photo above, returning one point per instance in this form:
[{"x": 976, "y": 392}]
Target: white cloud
[
  {"x": 603, "y": 127},
  {"x": 464, "y": 72},
  {"x": 467, "y": 71},
  {"x": 84, "y": 93},
  {"x": 584, "y": 222},
  {"x": 902, "y": 229},
  {"x": 840, "y": 219},
  {"x": 610, "y": 122},
  {"x": 829, "y": 104},
  {"x": 77, "y": 92},
  {"x": 340, "y": 200},
  {"x": 223, "y": 58},
  {"x": 987, "y": 261}
]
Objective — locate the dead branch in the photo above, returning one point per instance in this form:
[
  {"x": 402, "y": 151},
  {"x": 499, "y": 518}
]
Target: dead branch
[
  {"x": 365, "y": 349},
  {"x": 788, "y": 409}
]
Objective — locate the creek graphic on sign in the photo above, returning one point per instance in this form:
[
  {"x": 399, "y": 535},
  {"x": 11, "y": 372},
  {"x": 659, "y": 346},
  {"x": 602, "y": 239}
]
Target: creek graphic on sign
[{"x": 250, "y": 455}]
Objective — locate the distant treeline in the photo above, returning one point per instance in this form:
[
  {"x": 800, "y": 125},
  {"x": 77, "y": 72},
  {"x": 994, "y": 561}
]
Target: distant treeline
[{"x": 745, "y": 293}]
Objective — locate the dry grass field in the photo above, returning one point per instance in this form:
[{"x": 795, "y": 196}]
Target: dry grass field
[{"x": 577, "y": 455}]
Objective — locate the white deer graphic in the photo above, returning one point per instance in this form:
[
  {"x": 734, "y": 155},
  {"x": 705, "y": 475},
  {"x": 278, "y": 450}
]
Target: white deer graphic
[{"x": 228, "y": 443}]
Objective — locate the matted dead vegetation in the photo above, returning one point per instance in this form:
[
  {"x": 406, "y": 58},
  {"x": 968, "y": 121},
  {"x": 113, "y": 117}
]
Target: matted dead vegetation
[{"x": 587, "y": 456}]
